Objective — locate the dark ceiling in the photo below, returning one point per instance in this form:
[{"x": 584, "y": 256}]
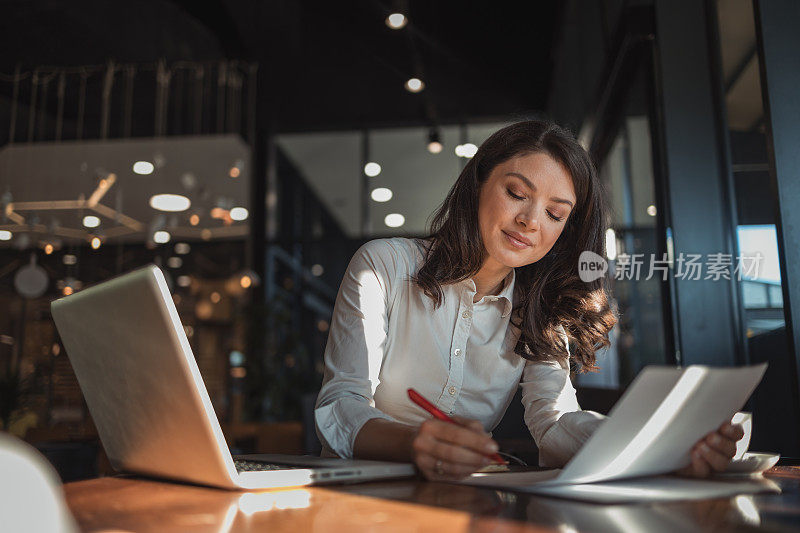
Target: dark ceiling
[{"x": 323, "y": 65}]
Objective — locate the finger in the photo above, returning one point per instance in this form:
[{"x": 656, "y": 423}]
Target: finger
[
  {"x": 700, "y": 467},
  {"x": 459, "y": 455},
  {"x": 428, "y": 444},
  {"x": 722, "y": 444},
  {"x": 479, "y": 442},
  {"x": 716, "y": 460},
  {"x": 732, "y": 431}
]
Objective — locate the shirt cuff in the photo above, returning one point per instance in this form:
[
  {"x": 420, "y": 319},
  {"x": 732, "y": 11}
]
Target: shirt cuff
[
  {"x": 339, "y": 422},
  {"x": 564, "y": 438}
]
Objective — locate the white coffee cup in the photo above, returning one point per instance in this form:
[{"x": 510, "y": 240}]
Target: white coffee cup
[{"x": 746, "y": 420}]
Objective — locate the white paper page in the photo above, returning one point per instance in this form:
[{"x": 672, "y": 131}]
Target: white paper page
[
  {"x": 653, "y": 427},
  {"x": 655, "y": 488}
]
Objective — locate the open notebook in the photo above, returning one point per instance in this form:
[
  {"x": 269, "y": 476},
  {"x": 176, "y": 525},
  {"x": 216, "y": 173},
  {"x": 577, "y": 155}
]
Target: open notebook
[{"x": 650, "y": 431}]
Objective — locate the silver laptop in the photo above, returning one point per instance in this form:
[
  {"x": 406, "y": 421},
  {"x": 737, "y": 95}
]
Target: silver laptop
[{"x": 145, "y": 393}]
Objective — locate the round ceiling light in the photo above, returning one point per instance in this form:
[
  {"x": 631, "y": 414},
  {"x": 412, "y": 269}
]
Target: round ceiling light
[
  {"x": 161, "y": 237},
  {"x": 91, "y": 221},
  {"x": 396, "y": 21},
  {"x": 239, "y": 213},
  {"x": 414, "y": 85},
  {"x": 170, "y": 202},
  {"x": 467, "y": 150},
  {"x": 372, "y": 169},
  {"x": 394, "y": 220},
  {"x": 143, "y": 167},
  {"x": 381, "y": 194}
]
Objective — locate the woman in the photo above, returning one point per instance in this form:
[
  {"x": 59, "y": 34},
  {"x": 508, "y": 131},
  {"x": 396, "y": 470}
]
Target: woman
[{"x": 489, "y": 301}]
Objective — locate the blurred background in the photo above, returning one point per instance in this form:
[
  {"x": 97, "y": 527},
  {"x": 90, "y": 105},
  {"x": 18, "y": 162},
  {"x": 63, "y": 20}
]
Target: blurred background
[{"x": 250, "y": 147}]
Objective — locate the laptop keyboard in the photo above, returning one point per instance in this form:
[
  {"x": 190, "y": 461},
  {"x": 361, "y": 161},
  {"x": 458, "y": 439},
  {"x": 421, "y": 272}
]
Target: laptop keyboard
[{"x": 259, "y": 466}]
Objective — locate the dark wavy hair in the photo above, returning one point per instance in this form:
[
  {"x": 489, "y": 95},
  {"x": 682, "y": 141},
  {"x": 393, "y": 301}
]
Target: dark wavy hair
[{"x": 549, "y": 294}]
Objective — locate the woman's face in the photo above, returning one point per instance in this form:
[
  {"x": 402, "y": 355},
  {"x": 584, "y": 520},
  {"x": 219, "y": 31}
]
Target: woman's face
[{"x": 523, "y": 207}]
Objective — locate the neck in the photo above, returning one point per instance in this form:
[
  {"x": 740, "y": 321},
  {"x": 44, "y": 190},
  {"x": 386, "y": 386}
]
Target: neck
[{"x": 489, "y": 279}]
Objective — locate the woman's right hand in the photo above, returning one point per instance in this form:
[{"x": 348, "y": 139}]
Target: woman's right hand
[{"x": 443, "y": 450}]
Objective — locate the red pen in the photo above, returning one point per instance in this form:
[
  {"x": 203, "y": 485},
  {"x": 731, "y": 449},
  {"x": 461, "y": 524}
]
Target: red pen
[{"x": 418, "y": 399}]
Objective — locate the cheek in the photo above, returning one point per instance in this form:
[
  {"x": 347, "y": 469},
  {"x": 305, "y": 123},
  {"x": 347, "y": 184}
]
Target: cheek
[
  {"x": 492, "y": 214},
  {"x": 550, "y": 236}
]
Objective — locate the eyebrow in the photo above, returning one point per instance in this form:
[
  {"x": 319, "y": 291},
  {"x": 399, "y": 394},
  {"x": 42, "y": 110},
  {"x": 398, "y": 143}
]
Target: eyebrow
[{"x": 530, "y": 184}]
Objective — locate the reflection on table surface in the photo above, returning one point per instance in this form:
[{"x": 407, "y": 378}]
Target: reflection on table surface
[{"x": 133, "y": 504}]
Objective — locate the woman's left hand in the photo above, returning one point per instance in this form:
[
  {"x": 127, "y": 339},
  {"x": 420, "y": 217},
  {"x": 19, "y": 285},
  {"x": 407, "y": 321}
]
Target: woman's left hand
[{"x": 714, "y": 452}]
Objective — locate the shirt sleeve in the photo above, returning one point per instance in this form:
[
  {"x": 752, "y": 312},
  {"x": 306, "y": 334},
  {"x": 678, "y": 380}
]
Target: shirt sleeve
[
  {"x": 355, "y": 348},
  {"x": 552, "y": 413}
]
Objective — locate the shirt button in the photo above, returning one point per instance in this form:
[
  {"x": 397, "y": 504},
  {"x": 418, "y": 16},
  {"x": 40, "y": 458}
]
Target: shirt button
[
  {"x": 452, "y": 390},
  {"x": 457, "y": 352},
  {"x": 466, "y": 314}
]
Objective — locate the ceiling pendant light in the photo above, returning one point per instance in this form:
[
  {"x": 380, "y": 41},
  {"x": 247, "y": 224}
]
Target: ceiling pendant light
[
  {"x": 435, "y": 145},
  {"x": 381, "y": 194},
  {"x": 414, "y": 85},
  {"x": 394, "y": 220},
  {"x": 143, "y": 168},
  {"x": 396, "y": 21},
  {"x": 170, "y": 202},
  {"x": 372, "y": 169}
]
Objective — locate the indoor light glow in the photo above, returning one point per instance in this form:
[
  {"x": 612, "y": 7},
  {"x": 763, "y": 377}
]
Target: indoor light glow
[
  {"x": 170, "y": 202},
  {"x": 174, "y": 262},
  {"x": 396, "y": 21},
  {"x": 651, "y": 210},
  {"x": 467, "y": 150},
  {"x": 194, "y": 220},
  {"x": 414, "y": 85},
  {"x": 372, "y": 169},
  {"x": 91, "y": 221},
  {"x": 48, "y": 249},
  {"x": 5, "y": 235},
  {"x": 382, "y": 194},
  {"x": 143, "y": 167},
  {"x": 611, "y": 244},
  {"x": 394, "y": 220},
  {"x": 184, "y": 281},
  {"x": 435, "y": 145},
  {"x": 96, "y": 242},
  {"x": 161, "y": 237},
  {"x": 239, "y": 213},
  {"x": 182, "y": 248}
]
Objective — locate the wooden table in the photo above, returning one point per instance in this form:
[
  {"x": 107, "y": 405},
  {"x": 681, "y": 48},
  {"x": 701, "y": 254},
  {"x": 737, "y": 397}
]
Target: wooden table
[{"x": 124, "y": 503}]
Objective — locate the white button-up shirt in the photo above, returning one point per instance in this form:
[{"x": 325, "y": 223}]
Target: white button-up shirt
[{"x": 386, "y": 337}]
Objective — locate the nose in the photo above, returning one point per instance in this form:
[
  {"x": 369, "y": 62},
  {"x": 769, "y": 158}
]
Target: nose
[{"x": 529, "y": 219}]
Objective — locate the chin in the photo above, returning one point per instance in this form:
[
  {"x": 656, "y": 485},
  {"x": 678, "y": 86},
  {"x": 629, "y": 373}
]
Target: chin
[{"x": 514, "y": 259}]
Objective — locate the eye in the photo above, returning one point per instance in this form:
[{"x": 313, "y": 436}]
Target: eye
[
  {"x": 551, "y": 215},
  {"x": 512, "y": 195}
]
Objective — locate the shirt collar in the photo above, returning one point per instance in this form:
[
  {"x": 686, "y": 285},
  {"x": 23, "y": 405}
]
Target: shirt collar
[{"x": 507, "y": 294}]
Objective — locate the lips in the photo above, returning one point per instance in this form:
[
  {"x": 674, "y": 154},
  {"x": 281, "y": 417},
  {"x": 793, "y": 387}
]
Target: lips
[{"x": 517, "y": 240}]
